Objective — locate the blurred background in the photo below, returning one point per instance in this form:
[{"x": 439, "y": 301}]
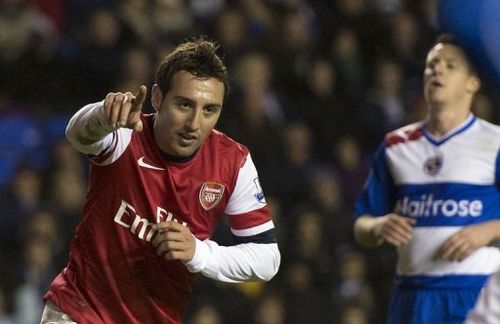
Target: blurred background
[{"x": 316, "y": 84}]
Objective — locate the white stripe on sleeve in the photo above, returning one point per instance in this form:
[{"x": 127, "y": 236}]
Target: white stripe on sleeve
[{"x": 247, "y": 194}]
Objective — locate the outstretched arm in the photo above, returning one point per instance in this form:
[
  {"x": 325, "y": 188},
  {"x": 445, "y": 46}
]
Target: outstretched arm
[{"x": 94, "y": 122}]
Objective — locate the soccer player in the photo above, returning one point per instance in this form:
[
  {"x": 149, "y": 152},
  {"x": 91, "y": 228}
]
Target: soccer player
[
  {"x": 433, "y": 193},
  {"x": 158, "y": 185}
]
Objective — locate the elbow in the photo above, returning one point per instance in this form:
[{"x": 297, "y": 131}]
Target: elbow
[
  {"x": 69, "y": 132},
  {"x": 71, "y": 135},
  {"x": 72, "y": 132},
  {"x": 364, "y": 232},
  {"x": 270, "y": 268},
  {"x": 359, "y": 235}
]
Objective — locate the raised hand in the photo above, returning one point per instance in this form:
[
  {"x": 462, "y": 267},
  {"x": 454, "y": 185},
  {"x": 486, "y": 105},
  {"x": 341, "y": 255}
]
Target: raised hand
[
  {"x": 174, "y": 241},
  {"x": 124, "y": 109}
]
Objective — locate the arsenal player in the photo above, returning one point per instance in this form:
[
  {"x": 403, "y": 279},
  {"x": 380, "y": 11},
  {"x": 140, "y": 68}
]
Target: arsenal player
[{"x": 158, "y": 185}]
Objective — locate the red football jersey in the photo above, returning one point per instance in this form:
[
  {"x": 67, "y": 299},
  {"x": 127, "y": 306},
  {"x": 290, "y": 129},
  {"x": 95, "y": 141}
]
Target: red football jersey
[{"x": 113, "y": 274}]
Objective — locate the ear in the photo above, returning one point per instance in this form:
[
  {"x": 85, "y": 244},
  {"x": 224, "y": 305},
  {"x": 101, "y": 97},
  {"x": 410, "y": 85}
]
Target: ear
[
  {"x": 473, "y": 84},
  {"x": 156, "y": 97}
]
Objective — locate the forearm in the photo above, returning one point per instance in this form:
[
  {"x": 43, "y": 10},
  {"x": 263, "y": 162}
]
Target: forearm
[
  {"x": 364, "y": 231},
  {"x": 88, "y": 126},
  {"x": 239, "y": 263},
  {"x": 493, "y": 227}
]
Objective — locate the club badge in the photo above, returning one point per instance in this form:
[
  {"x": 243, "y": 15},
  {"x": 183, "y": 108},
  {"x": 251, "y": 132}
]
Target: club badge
[
  {"x": 210, "y": 194},
  {"x": 433, "y": 165}
]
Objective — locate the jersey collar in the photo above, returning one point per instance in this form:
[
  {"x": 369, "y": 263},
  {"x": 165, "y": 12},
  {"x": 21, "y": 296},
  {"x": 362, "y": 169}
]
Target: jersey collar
[{"x": 457, "y": 130}]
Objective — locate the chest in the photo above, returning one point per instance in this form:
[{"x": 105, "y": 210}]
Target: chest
[
  {"x": 456, "y": 161},
  {"x": 145, "y": 189}
]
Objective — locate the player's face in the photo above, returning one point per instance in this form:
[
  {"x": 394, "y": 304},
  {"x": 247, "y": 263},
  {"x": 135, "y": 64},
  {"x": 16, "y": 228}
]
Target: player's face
[
  {"x": 447, "y": 77},
  {"x": 187, "y": 113}
]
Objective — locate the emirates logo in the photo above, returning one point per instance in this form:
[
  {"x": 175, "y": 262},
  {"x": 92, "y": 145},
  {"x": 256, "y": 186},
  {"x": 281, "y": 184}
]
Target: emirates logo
[{"x": 210, "y": 194}]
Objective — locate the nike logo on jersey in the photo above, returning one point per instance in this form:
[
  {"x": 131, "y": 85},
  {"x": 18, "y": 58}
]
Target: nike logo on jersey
[{"x": 143, "y": 164}]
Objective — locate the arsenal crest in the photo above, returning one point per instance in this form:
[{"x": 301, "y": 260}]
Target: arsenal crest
[
  {"x": 210, "y": 194},
  {"x": 433, "y": 165}
]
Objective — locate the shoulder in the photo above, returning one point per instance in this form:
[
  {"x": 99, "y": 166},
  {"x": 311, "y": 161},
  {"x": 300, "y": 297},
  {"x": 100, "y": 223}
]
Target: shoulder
[
  {"x": 404, "y": 134},
  {"x": 226, "y": 142},
  {"x": 488, "y": 128},
  {"x": 226, "y": 147}
]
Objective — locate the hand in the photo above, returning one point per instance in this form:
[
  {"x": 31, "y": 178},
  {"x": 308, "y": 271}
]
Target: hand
[
  {"x": 174, "y": 241},
  {"x": 394, "y": 229},
  {"x": 124, "y": 109},
  {"x": 465, "y": 242}
]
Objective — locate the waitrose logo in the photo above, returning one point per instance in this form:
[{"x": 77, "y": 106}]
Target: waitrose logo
[{"x": 427, "y": 206}]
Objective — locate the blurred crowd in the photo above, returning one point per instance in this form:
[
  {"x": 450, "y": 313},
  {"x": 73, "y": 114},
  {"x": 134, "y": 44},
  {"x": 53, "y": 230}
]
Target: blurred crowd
[{"x": 316, "y": 84}]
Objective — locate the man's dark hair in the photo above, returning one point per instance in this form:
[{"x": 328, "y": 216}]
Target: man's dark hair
[
  {"x": 449, "y": 39},
  {"x": 198, "y": 57}
]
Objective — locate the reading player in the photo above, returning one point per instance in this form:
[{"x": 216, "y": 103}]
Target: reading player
[
  {"x": 433, "y": 193},
  {"x": 158, "y": 185}
]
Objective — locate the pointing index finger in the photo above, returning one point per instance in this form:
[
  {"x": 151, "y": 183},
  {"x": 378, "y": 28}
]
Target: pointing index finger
[{"x": 139, "y": 99}]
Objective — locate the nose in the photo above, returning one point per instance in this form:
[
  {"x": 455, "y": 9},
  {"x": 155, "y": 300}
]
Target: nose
[
  {"x": 194, "y": 120},
  {"x": 438, "y": 68}
]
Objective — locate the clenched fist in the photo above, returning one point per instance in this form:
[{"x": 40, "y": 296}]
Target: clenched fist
[{"x": 174, "y": 241}]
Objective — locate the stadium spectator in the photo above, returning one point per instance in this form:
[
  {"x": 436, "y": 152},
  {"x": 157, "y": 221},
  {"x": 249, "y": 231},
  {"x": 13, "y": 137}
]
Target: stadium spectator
[
  {"x": 135, "y": 68},
  {"x": 5, "y": 318},
  {"x": 320, "y": 103},
  {"x": 385, "y": 106},
  {"x": 304, "y": 301},
  {"x": 354, "y": 313},
  {"x": 258, "y": 113},
  {"x": 206, "y": 314},
  {"x": 351, "y": 285},
  {"x": 37, "y": 273},
  {"x": 294, "y": 166},
  {"x": 270, "y": 308},
  {"x": 351, "y": 165}
]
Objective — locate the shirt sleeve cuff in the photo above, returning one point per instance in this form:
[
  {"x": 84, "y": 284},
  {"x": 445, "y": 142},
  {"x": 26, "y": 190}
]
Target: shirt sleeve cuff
[{"x": 198, "y": 262}]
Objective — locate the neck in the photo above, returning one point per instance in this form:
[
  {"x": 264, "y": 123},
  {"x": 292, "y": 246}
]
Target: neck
[
  {"x": 442, "y": 121},
  {"x": 447, "y": 115}
]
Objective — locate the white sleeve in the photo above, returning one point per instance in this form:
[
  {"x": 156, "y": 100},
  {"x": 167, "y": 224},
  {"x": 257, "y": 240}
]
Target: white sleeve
[
  {"x": 247, "y": 194},
  {"x": 89, "y": 133},
  {"x": 487, "y": 309},
  {"x": 238, "y": 263}
]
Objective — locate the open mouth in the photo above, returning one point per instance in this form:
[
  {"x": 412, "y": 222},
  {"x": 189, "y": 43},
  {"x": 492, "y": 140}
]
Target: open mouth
[
  {"x": 436, "y": 83},
  {"x": 187, "y": 138}
]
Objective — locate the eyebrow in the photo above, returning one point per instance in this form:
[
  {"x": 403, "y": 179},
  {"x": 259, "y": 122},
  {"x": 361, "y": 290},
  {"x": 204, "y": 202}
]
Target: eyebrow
[
  {"x": 446, "y": 59},
  {"x": 191, "y": 101}
]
